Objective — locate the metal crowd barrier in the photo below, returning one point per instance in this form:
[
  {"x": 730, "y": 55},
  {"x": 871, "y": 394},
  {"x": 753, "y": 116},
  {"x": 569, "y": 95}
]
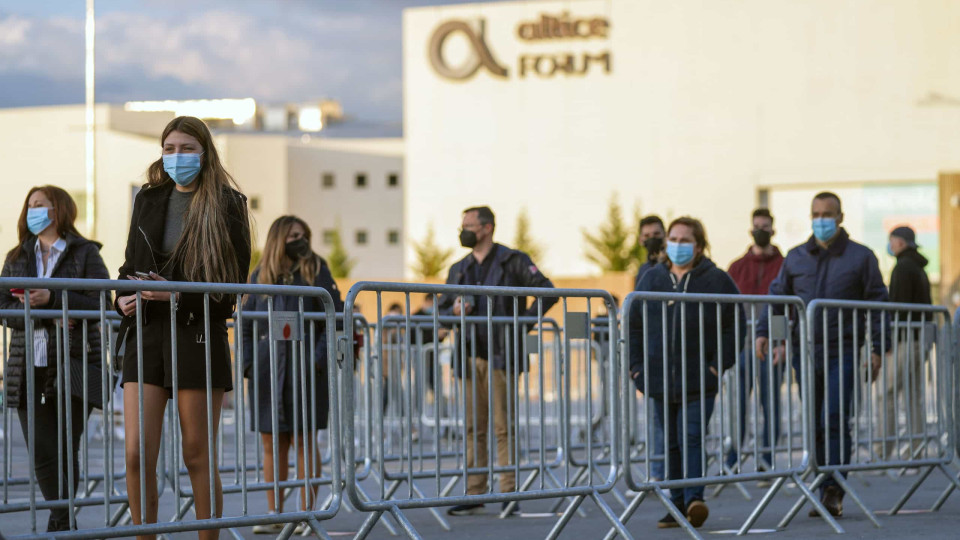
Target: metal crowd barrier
[
  {"x": 114, "y": 501},
  {"x": 856, "y": 415},
  {"x": 717, "y": 325},
  {"x": 424, "y": 469}
]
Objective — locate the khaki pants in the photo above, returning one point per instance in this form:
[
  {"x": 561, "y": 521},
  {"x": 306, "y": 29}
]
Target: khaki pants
[
  {"x": 503, "y": 428},
  {"x": 903, "y": 381}
]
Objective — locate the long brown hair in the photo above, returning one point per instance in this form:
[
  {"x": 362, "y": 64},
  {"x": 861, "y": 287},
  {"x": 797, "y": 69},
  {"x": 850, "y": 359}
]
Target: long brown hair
[
  {"x": 64, "y": 211},
  {"x": 205, "y": 252},
  {"x": 273, "y": 264},
  {"x": 699, "y": 235}
]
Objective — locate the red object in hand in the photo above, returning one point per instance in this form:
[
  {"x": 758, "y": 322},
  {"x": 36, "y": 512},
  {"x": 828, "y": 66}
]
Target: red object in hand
[{"x": 16, "y": 291}]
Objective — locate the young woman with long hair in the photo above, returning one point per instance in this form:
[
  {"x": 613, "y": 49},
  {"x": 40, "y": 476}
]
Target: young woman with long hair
[
  {"x": 50, "y": 246},
  {"x": 288, "y": 260},
  {"x": 190, "y": 223}
]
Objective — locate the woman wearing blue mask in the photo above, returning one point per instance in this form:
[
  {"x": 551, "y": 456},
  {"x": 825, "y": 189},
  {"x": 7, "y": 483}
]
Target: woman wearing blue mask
[
  {"x": 673, "y": 343},
  {"x": 50, "y": 246},
  {"x": 189, "y": 223}
]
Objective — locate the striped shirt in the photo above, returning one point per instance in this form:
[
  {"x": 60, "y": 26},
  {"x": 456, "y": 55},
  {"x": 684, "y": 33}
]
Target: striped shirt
[{"x": 40, "y": 334}]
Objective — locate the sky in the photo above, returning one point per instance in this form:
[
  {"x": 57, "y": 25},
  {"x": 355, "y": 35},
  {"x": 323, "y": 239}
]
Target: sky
[{"x": 272, "y": 50}]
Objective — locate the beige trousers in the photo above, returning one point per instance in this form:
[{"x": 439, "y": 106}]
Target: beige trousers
[{"x": 503, "y": 428}]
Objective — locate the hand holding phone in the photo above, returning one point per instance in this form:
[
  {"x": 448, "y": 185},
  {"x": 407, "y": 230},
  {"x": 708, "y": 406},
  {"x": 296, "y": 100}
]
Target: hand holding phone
[
  {"x": 21, "y": 292},
  {"x": 143, "y": 275}
]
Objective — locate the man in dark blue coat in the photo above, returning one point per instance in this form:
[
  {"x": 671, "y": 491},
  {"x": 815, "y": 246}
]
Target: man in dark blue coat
[
  {"x": 831, "y": 266},
  {"x": 494, "y": 265}
]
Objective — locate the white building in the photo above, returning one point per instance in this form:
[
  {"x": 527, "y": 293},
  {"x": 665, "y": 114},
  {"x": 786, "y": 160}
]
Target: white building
[
  {"x": 316, "y": 176},
  {"x": 683, "y": 107}
]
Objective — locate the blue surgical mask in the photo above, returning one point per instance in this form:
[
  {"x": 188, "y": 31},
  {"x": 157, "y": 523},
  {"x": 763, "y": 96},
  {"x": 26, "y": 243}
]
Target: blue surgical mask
[
  {"x": 890, "y": 251},
  {"x": 824, "y": 228},
  {"x": 182, "y": 168},
  {"x": 679, "y": 254},
  {"x": 38, "y": 219}
]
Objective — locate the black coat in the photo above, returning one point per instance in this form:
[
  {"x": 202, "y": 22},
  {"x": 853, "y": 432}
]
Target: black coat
[
  {"x": 81, "y": 259},
  {"x": 909, "y": 283},
  {"x": 284, "y": 402},
  {"x": 704, "y": 278},
  {"x": 149, "y": 214},
  {"x": 511, "y": 268}
]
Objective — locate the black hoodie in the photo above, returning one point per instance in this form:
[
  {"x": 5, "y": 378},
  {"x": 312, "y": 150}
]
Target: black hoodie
[
  {"x": 909, "y": 283},
  {"x": 704, "y": 278}
]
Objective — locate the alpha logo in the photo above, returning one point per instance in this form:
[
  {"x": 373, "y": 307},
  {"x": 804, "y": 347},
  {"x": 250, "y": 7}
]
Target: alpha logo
[{"x": 480, "y": 54}]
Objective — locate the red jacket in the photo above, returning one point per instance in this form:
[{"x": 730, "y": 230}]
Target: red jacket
[{"x": 754, "y": 273}]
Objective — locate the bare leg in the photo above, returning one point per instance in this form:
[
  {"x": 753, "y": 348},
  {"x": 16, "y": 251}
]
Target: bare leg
[
  {"x": 154, "y": 404},
  {"x": 283, "y": 455},
  {"x": 196, "y": 453},
  {"x": 313, "y": 471}
]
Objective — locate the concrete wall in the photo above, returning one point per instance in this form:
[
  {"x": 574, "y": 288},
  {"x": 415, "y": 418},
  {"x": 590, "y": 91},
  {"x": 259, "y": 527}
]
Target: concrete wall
[{"x": 706, "y": 104}]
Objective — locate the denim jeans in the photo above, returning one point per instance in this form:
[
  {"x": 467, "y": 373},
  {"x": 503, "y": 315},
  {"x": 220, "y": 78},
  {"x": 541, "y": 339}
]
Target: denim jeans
[
  {"x": 832, "y": 416},
  {"x": 696, "y": 432},
  {"x": 764, "y": 421},
  {"x": 655, "y": 436}
]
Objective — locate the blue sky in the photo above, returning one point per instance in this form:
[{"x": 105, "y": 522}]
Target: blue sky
[{"x": 271, "y": 50}]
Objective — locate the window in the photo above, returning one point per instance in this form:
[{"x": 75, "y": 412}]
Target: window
[
  {"x": 763, "y": 198},
  {"x": 361, "y": 238},
  {"x": 327, "y": 180},
  {"x": 393, "y": 237},
  {"x": 361, "y": 180},
  {"x": 254, "y": 203},
  {"x": 393, "y": 180},
  {"x": 328, "y": 236}
]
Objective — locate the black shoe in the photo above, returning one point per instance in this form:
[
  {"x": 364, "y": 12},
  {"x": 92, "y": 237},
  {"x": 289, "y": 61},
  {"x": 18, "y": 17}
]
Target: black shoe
[
  {"x": 515, "y": 511},
  {"x": 667, "y": 522},
  {"x": 832, "y": 500},
  {"x": 697, "y": 513},
  {"x": 465, "y": 510}
]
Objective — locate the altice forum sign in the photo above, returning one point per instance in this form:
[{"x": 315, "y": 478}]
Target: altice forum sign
[{"x": 548, "y": 28}]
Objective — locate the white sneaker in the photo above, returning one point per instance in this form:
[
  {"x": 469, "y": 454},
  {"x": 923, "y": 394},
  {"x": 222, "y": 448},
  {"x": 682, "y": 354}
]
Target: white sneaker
[
  {"x": 301, "y": 529},
  {"x": 269, "y": 528}
]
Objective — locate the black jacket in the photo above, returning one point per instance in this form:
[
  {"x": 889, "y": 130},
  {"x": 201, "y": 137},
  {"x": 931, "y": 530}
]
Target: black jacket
[
  {"x": 149, "y": 214},
  {"x": 909, "y": 283},
  {"x": 284, "y": 400},
  {"x": 704, "y": 278},
  {"x": 81, "y": 259},
  {"x": 510, "y": 268}
]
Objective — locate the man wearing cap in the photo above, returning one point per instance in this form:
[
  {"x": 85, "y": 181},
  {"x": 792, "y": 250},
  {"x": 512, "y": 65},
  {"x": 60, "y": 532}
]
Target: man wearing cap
[{"x": 902, "y": 375}]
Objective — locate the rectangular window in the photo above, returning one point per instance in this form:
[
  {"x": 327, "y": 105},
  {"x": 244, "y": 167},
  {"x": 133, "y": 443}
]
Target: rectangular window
[
  {"x": 254, "y": 203},
  {"x": 327, "y": 180},
  {"x": 361, "y": 238},
  {"x": 328, "y": 236},
  {"x": 393, "y": 237},
  {"x": 393, "y": 180},
  {"x": 763, "y": 198},
  {"x": 361, "y": 180}
]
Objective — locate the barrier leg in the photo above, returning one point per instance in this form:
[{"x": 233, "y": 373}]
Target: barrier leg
[
  {"x": 810, "y": 496},
  {"x": 906, "y": 496},
  {"x": 523, "y": 487},
  {"x": 677, "y": 515},
  {"x": 363, "y": 494},
  {"x": 954, "y": 484},
  {"x": 565, "y": 518},
  {"x": 627, "y": 514},
  {"x": 405, "y": 523},
  {"x": 368, "y": 525},
  {"x": 845, "y": 485},
  {"x": 720, "y": 487},
  {"x": 755, "y": 515},
  {"x": 436, "y": 513},
  {"x": 318, "y": 529},
  {"x": 556, "y": 506},
  {"x": 611, "y": 517}
]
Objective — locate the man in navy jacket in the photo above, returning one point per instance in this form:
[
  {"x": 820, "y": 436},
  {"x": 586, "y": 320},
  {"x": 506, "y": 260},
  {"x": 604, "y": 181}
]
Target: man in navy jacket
[{"x": 831, "y": 265}]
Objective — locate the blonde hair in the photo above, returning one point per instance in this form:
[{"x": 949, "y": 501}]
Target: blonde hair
[
  {"x": 273, "y": 264},
  {"x": 205, "y": 251}
]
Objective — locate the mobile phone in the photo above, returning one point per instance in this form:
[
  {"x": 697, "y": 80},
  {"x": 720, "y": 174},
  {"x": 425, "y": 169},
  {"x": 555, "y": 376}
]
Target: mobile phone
[
  {"x": 17, "y": 291},
  {"x": 142, "y": 275}
]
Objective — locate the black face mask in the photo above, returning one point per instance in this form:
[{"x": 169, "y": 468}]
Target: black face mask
[
  {"x": 468, "y": 239},
  {"x": 653, "y": 245},
  {"x": 297, "y": 249},
  {"x": 761, "y": 237}
]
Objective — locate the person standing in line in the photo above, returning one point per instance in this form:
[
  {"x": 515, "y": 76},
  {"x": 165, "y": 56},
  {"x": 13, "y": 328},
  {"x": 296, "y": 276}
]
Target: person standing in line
[
  {"x": 830, "y": 265},
  {"x": 189, "y": 223},
  {"x": 909, "y": 284},
  {"x": 753, "y": 273},
  {"x": 289, "y": 260},
  {"x": 49, "y": 246},
  {"x": 666, "y": 352},
  {"x": 489, "y": 264}
]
